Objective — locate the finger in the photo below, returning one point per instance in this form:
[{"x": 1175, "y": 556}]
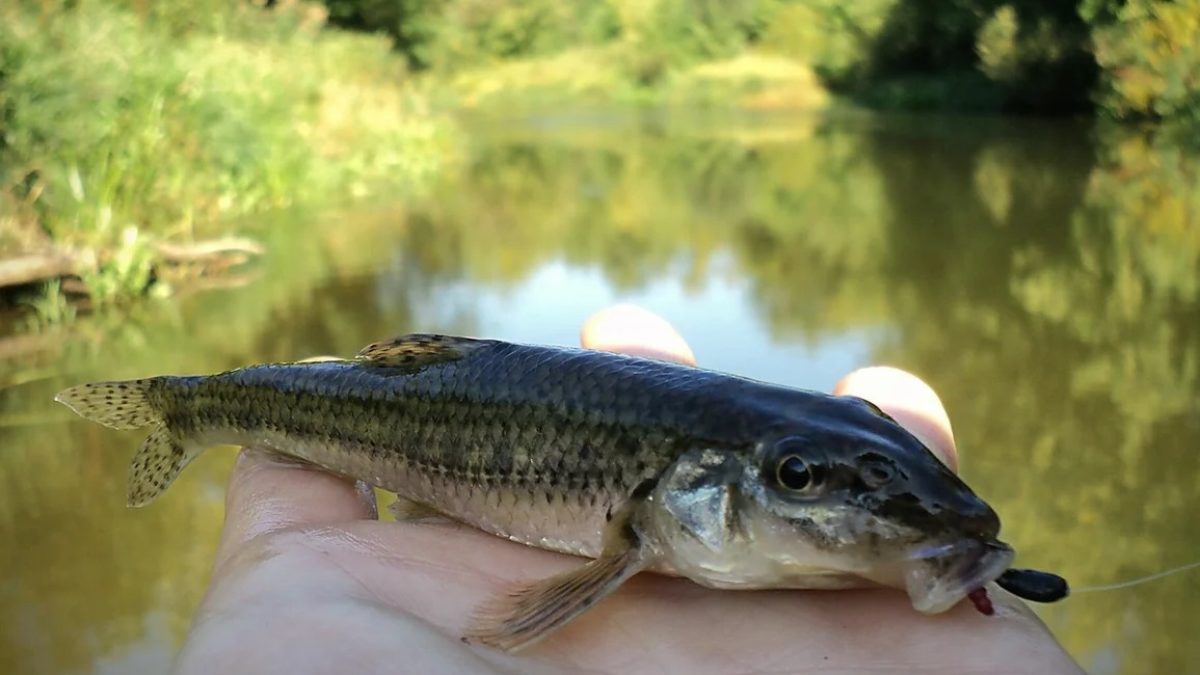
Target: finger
[
  {"x": 629, "y": 329},
  {"x": 443, "y": 576},
  {"x": 270, "y": 493},
  {"x": 910, "y": 401}
]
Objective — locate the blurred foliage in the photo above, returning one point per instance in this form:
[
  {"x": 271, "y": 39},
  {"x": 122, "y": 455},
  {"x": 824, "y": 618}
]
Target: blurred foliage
[
  {"x": 1040, "y": 275},
  {"x": 181, "y": 119},
  {"x": 470, "y": 28},
  {"x": 410, "y": 23},
  {"x": 173, "y": 119},
  {"x": 1150, "y": 56},
  {"x": 988, "y": 55}
]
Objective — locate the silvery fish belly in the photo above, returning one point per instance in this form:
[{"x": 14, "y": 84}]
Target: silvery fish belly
[{"x": 635, "y": 463}]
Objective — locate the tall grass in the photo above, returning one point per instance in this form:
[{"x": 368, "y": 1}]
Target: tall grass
[{"x": 119, "y": 127}]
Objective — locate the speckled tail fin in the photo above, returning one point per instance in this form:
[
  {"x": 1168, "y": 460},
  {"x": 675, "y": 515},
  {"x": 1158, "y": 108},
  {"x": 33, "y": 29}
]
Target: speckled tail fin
[
  {"x": 118, "y": 405},
  {"x": 420, "y": 349},
  {"x": 126, "y": 405}
]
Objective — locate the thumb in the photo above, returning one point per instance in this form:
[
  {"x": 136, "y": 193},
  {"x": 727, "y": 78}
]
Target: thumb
[
  {"x": 270, "y": 492},
  {"x": 910, "y": 401}
]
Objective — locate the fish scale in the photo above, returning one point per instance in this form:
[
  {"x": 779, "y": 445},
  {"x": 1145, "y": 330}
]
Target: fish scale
[{"x": 422, "y": 428}]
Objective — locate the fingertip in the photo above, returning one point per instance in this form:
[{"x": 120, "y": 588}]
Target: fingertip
[
  {"x": 910, "y": 401},
  {"x": 629, "y": 329}
]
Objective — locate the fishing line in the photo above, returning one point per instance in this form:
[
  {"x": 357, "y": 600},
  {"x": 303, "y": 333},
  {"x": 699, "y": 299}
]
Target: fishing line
[{"x": 1138, "y": 581}]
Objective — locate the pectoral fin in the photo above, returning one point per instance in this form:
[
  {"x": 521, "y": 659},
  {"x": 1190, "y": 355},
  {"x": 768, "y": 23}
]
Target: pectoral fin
[{"x": 527, "y": 614}]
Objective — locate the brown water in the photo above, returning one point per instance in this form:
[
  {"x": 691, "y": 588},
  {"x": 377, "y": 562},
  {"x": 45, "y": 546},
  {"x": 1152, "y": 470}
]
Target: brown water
[{"x": 1045, "y": 279}]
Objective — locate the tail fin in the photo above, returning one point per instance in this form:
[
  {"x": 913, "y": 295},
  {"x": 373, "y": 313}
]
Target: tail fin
[
  {"x": 127, "y": 405},
  {"x": 117, "y": 405}
]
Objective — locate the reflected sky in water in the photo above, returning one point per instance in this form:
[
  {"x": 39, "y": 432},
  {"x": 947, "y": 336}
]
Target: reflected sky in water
[
  {"x": 1045, "y": 278},
  {"x": 550, "y": 305}
]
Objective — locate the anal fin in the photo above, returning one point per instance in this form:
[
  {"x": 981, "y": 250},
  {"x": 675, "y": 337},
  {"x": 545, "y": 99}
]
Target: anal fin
[{"x": 407, "y": 510}]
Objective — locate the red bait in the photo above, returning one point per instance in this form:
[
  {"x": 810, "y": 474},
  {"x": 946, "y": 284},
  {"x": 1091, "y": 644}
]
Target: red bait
[{"x": 982, "y": 602}]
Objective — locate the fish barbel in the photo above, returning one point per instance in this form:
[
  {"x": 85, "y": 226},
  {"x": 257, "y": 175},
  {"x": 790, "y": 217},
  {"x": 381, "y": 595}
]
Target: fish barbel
[{"x": 636, "y": 463}]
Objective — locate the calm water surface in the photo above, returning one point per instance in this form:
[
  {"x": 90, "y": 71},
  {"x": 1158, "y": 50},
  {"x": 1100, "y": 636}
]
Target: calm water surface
[{"x": 1045, "y": 279}]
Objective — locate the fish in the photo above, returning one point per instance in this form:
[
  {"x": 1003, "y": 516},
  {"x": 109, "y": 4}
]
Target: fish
[{"x": 637, "y": 464}]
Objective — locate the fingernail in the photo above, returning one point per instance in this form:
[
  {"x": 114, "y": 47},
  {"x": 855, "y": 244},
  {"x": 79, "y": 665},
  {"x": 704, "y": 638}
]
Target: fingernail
[
  {"x": 910, "y": 401},
  {"x": 629, "y": 329}
]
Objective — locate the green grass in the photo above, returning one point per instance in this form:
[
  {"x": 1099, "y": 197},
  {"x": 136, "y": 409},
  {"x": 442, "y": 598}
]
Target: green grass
[
  {"x": 120, "y": 129},
  {"x": 606, "y": 76}
]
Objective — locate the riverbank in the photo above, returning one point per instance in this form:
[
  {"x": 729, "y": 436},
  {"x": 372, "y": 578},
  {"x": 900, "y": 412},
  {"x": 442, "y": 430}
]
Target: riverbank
[
  {"x": 137, "y": 143},
  {"x": 142, "y": 142}
]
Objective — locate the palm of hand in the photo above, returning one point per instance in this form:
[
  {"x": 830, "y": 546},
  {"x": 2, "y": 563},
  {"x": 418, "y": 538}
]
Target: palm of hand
[{"x": 307, "y": 580}]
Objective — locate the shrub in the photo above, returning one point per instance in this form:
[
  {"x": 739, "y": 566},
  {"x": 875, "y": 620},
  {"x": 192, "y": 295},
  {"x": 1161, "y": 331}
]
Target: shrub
[
  {"x": 1150, "y": 55},
  {"x": 117, "y": 122}
]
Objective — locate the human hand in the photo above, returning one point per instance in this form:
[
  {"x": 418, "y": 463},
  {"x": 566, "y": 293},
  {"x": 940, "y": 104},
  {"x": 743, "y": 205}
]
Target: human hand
[{"x": 307, "y": 580}]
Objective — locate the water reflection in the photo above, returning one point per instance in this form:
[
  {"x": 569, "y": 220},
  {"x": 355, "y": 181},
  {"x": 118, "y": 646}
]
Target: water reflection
[{"x": 1045, "y": 281}]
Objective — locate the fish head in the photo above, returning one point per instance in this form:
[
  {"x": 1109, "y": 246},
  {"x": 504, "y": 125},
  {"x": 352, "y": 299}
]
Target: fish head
[{"x": 844, "y": 497}]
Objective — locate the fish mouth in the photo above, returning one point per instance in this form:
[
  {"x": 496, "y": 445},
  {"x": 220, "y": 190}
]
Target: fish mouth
[{"x": 938, "y": 577}]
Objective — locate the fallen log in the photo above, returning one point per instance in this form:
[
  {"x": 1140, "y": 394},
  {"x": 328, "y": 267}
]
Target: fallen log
[
  {"x": 30, "y": 268},
  {"x": 203, "y": 251},
  {"x": 34, "y": 267}
]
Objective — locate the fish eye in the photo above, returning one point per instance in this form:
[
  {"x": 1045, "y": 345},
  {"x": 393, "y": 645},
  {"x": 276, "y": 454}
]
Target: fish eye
[{"x": 797, "y": 475}]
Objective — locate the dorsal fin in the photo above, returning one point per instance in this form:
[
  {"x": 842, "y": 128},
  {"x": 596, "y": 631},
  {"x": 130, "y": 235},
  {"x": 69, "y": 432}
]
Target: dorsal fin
[{"x": 419, "y": 349}]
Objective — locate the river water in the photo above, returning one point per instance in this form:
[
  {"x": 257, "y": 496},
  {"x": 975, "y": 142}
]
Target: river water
[{"x": 1044, "y": 277}]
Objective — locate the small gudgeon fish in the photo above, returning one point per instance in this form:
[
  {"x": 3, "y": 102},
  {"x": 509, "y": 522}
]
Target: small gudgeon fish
[{"x": 638, "y": 464}]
